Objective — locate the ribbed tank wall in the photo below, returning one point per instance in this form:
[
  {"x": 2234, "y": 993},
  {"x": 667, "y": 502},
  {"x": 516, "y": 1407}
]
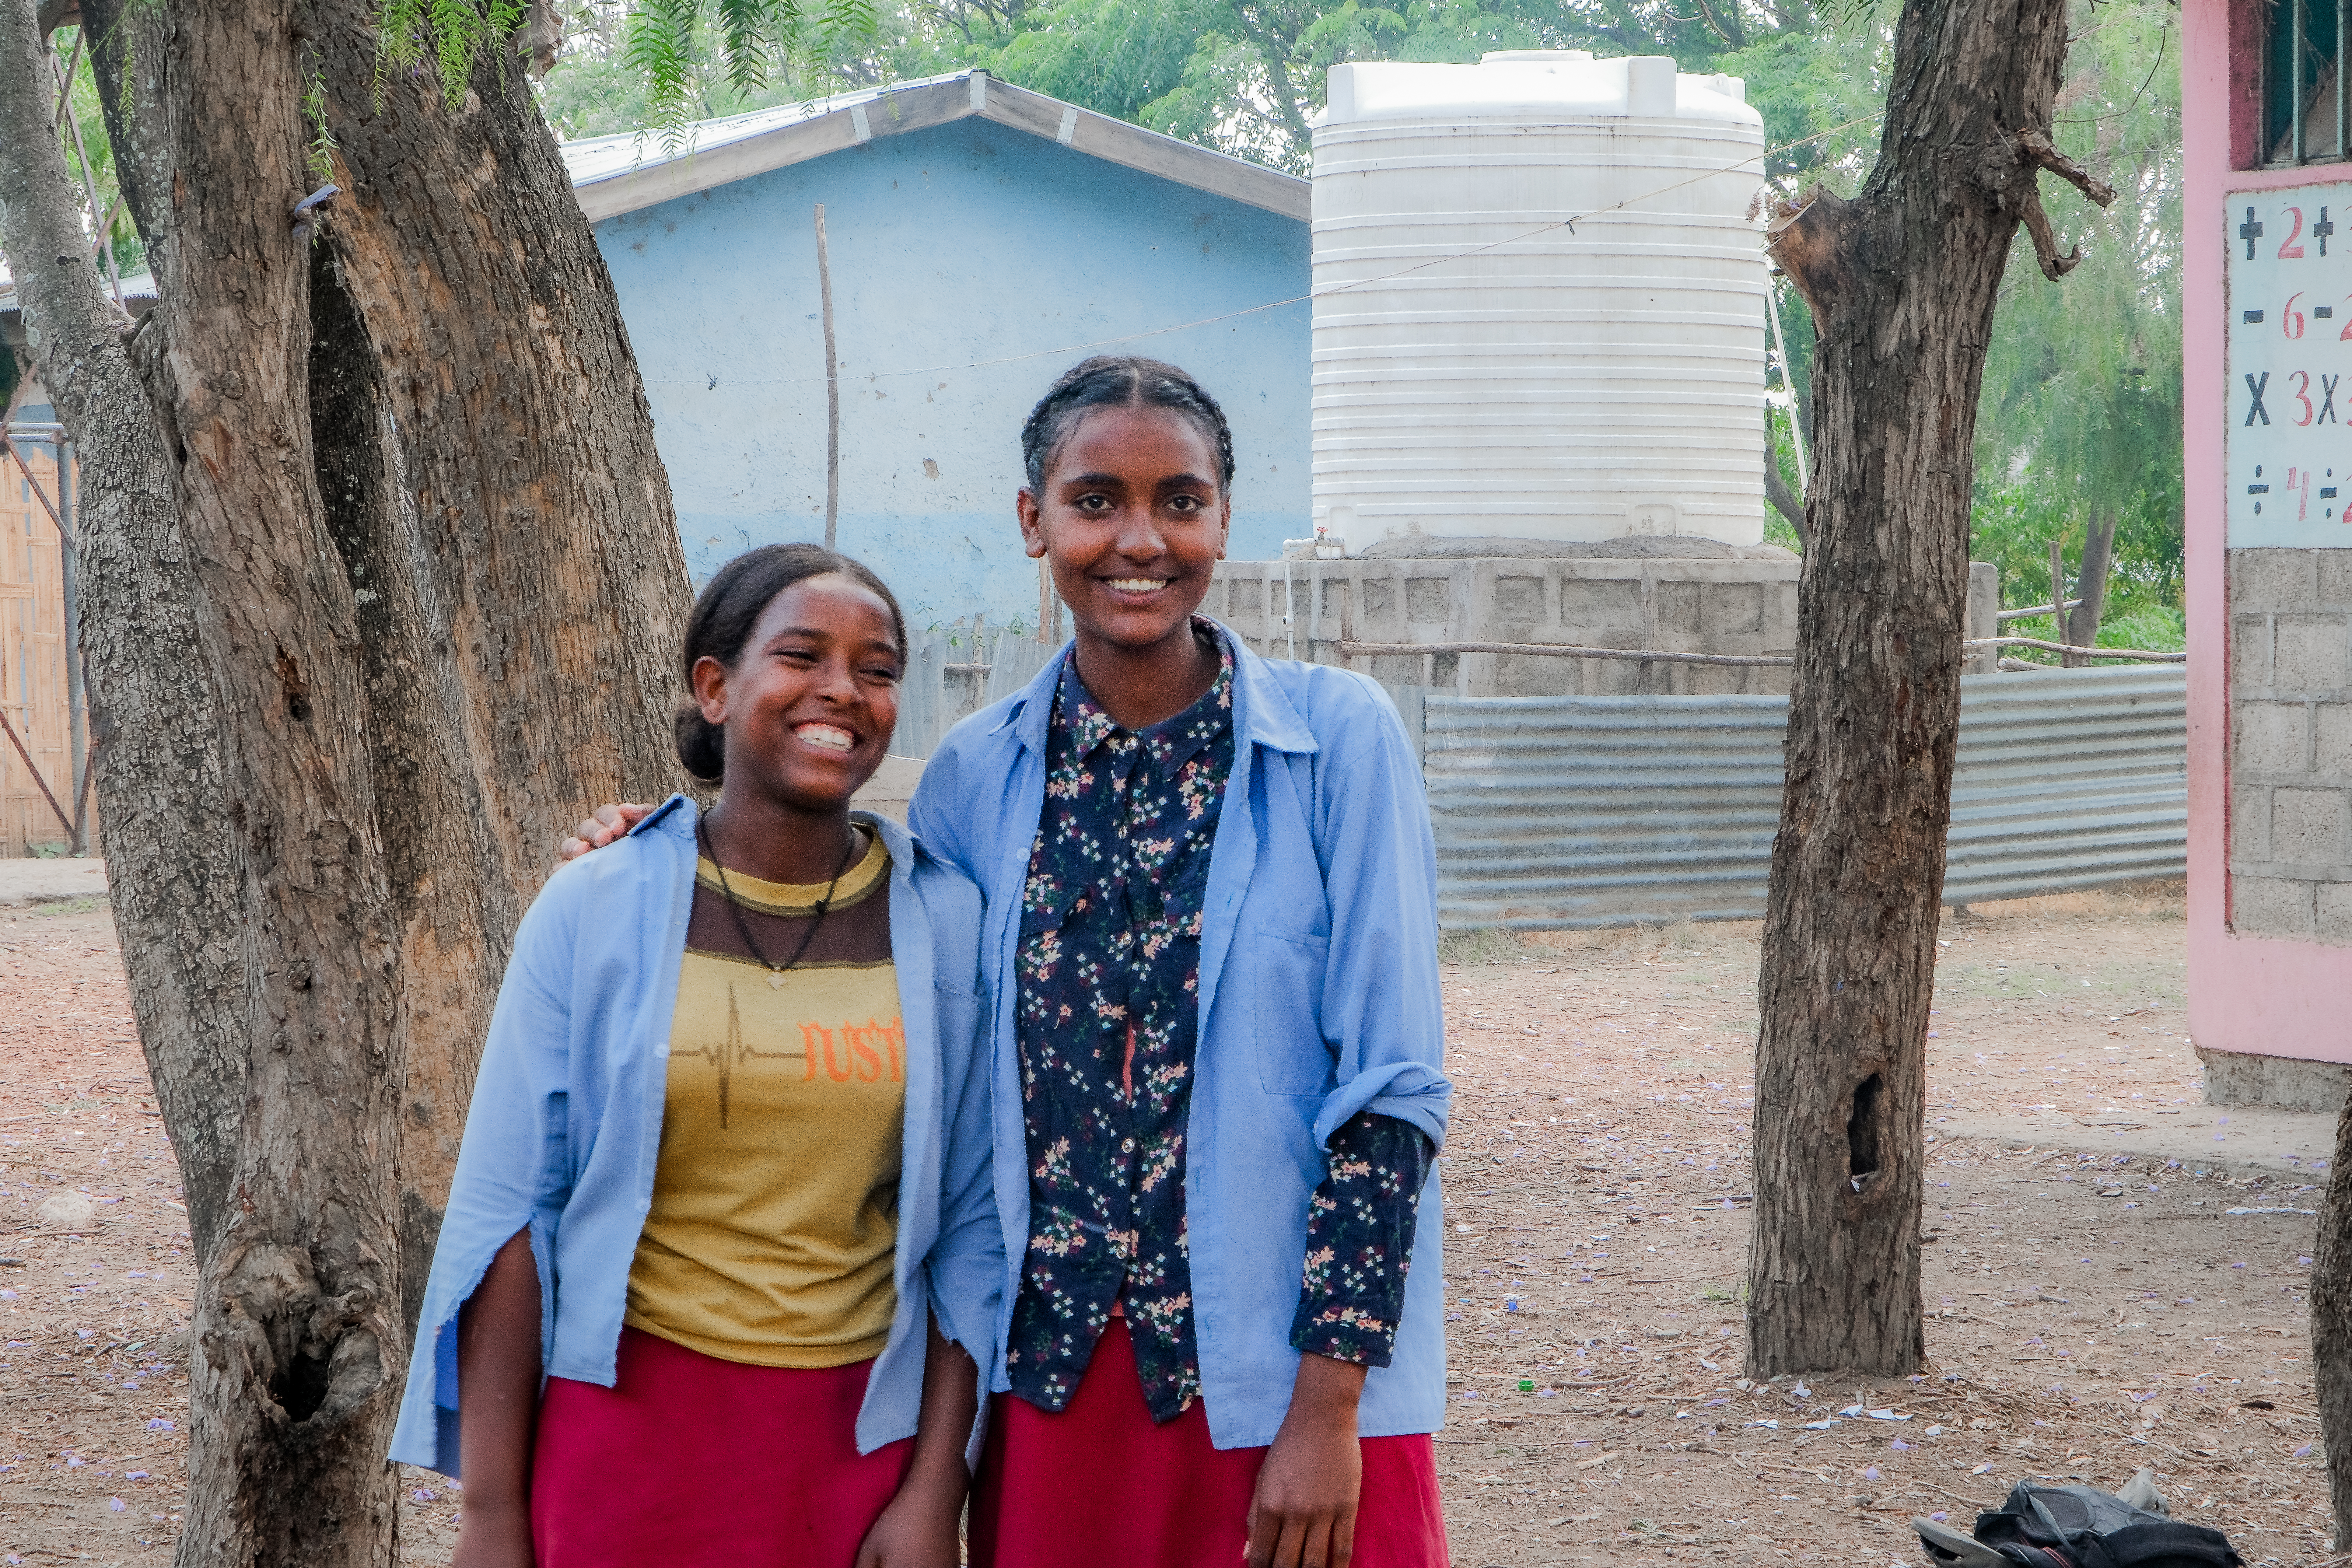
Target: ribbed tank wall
[{"x": 1484, "y": 369}]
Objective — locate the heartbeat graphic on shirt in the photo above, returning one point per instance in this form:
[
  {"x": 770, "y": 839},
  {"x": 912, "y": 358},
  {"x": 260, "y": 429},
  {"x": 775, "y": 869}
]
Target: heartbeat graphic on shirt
[{"x": 861, "y": 1052}]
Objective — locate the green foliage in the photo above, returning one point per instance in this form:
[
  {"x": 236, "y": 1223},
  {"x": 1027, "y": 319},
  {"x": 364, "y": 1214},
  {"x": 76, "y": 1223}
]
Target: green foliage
[
  {"x": 450, "y": 36},
  {"x": 1778, "y": 430},
  {"x": 320, "y": 155},
  {"x": 129, "y": 254},
  {"x": 2080, "y": 418}
]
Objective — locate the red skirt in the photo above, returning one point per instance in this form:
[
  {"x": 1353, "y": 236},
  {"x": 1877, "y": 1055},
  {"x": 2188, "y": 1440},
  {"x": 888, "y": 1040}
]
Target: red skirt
[
  {"x": 1057, "y": 1490},
  {"x": 690, "y": 1459}
]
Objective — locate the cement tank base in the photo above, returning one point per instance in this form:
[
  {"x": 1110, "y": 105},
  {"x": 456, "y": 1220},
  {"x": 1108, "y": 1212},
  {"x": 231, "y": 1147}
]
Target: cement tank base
[
  {"x": 1626, "y": 547},
  {"x": 1745, "y": 604}
]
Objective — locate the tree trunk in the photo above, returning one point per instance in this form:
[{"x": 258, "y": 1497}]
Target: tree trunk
[
  {"x": 2098, "y": 555},
  {"x": 1902, "y": 283},
  {"x": 492, "y": 483},
  {"x": 429, "y": 587},
  {"x": 2331, "y": 1328},
  {"x": 1776, "y": 491},
  {"x": 300, "y": 1347},
  {"x": 153, "y": 710}
]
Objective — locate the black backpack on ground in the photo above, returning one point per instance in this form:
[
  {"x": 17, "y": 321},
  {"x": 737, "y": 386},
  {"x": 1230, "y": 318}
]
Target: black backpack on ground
[{"x": 2083, "y": 1527}]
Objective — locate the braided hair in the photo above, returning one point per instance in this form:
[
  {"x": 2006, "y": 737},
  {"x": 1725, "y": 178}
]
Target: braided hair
[
  {"x": 1120, "y": 381},
  {"x": 724, "y": 616}
]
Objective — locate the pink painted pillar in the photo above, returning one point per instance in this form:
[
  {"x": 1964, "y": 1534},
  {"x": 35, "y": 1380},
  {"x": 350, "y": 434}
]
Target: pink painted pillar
[{"x": 2258, "y": 995}]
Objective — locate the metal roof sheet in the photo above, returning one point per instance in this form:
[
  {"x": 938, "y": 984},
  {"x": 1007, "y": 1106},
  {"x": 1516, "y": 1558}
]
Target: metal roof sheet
[{"x": 616, "y": 175}]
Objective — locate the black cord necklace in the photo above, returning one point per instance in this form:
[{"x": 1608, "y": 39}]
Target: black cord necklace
[{"x": 743, "y": 927}]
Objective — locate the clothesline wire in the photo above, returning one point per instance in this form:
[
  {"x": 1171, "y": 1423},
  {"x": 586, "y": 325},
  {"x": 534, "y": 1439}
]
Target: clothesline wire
[{"x": 1569, "y": 223}]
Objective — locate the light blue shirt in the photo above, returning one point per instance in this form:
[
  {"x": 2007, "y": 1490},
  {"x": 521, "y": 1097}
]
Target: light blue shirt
[
  {"x": 565, "y": 1126},
  {"x": 1319, "y": 1000}
]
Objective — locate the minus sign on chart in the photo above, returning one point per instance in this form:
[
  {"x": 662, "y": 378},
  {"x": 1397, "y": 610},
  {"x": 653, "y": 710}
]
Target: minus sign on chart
[{"x": 2323, "y": 313}]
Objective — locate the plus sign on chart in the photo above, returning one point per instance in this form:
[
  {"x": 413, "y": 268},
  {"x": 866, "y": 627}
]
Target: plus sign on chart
[{"x": 2289, "y": 375}]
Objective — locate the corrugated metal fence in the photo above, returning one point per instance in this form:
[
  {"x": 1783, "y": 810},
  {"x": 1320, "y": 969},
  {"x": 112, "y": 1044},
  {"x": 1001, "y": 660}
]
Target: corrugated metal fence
[
  {"x": 957, "y": 670},
  {"x": 1561, "y": 812}
]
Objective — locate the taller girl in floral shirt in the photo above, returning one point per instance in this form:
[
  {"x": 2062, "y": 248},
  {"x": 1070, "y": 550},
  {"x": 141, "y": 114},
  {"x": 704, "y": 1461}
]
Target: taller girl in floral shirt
[
  {"x": 1210, "y": 938},
  {"x": 1211, "y": 916}
]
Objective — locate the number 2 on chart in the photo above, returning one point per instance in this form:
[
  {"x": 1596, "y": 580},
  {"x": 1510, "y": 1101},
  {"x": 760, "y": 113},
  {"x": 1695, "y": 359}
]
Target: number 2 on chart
[{"x": 2289, "y": 250}]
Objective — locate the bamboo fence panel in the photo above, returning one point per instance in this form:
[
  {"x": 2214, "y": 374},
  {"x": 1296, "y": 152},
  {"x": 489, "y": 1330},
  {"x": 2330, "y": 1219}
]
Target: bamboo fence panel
[{"x": 32, "y": 657}]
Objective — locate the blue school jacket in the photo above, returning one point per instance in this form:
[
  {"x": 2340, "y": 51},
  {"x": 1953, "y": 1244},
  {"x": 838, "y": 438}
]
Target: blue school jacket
[
  {"x": 1319, "y": 1000},
  {"x": 565, "y": 1126}
]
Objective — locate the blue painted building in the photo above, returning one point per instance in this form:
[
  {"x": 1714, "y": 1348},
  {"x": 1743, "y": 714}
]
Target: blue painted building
[{"x": 981, "y": 239}]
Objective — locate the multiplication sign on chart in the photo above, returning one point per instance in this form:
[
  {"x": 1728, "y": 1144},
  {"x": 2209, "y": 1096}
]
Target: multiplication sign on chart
[{"x": 2290, "y": 304}]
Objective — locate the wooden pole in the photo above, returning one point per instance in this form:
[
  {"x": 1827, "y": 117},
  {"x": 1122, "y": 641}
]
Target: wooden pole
[
  {"x": 77, "y": 696},
  {"x": 34, "y": 768},
  {"x": 2058, "y": 597},
  {"x": 1795, "y": 411},
  {"x": 832, "y": 389},
  {"x": 88, "y": 181}
]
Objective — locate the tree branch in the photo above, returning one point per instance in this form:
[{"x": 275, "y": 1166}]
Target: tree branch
[
  {"x": 1726, "y": 27},
  {"x": 2035, "y": 148},
  {"x": 1277, "y": 74},
  {"x": 172, "y": 874},
  {"x": 1802, "y": 241},
  {"x": 1776, "y": 491},
  {"x": 2045, "y": 240}
]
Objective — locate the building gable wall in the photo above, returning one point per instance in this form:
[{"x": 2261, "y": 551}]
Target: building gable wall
[{"x": 971, "y": 263}]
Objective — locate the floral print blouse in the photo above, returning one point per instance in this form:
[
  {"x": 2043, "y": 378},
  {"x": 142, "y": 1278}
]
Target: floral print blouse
[{"x": 1108, "y": 969}]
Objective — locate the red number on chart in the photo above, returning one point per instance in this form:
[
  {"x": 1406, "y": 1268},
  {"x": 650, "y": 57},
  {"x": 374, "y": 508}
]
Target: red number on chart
[
  {"x": 2300, "y": 393},
  {"x": 2345, "y": 335},
  {"x": 2291, "y": 251},
  {"x": 2290, "y": 319}
]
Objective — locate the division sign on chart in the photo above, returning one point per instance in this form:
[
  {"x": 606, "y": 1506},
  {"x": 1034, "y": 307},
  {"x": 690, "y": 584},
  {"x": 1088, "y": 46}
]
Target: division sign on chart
[{"x": 2290, "y": 364}]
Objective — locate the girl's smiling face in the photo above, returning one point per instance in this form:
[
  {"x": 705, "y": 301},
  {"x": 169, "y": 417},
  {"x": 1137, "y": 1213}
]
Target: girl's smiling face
[
  {"x": 1132, "y": 521},
  {"x": 812, "y": 699}
]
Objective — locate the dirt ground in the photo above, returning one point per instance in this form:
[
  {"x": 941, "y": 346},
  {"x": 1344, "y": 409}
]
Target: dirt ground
[{"x": 2089, "y": 1312}]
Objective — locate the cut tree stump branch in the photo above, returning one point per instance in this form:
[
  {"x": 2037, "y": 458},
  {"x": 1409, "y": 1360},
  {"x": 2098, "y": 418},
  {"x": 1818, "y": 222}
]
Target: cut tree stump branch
[
  {"x": 2036, "y": 149},
  {"x": 2039, "y": 151}
]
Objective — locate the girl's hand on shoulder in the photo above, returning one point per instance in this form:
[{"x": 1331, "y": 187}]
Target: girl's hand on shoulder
[
  {"x": 918, "y": 1530},
  {"x": 609, "y": 824}
]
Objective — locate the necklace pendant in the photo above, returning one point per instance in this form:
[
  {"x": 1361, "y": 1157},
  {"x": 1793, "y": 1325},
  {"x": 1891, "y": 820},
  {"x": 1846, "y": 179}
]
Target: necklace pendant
[{"x": 775, "y": 980}]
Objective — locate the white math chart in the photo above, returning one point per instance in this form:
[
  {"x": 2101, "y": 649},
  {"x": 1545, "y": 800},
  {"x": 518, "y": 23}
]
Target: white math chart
[{"x": 2290, "y": 363}]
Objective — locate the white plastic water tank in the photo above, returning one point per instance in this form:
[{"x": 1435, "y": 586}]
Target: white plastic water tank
[{"x": 1486, "y": 367}]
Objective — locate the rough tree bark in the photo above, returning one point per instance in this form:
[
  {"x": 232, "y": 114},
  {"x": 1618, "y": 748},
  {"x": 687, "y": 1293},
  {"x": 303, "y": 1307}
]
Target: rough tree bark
[
  {"x": 1776, "y": 491},
  {"x": 2331, "y": 1328},
  {"x": 428, "y": 591},
  {"x": 493, "y": 486},
  {"x": 1902, "y": 282},
  {"x": 154, "y": 710}
]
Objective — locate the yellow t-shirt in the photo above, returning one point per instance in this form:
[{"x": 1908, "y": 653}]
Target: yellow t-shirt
[{"x": 776, "y": 1201}]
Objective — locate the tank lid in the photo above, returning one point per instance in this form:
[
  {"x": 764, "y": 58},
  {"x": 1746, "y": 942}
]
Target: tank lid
[{"x": 1546, "y": 86}]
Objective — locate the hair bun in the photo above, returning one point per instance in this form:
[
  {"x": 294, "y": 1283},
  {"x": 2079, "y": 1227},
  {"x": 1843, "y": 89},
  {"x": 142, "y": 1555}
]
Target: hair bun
[{"x": 701, "y": 744}]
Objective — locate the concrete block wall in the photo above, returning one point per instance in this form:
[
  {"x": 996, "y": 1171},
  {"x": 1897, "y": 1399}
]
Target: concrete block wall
[
  {"x": 1733, "y": 606},
  {"x": 1728, "y": 606},
  {"x": 2291, "y": 744}
]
